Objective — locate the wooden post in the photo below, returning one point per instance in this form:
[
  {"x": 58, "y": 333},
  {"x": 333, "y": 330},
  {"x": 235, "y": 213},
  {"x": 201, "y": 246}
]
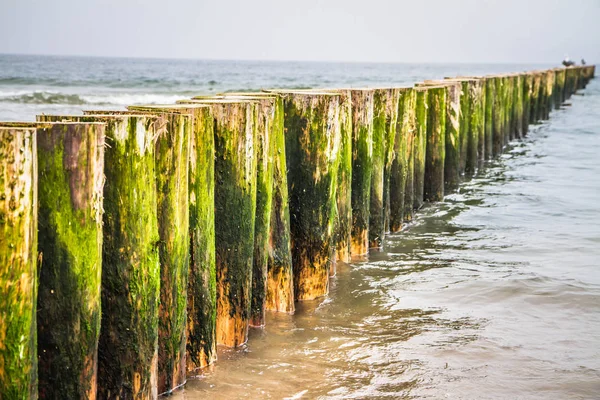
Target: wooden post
[
  {"x": 420, "y": 148},
  {"x": 385, "y": 116},
  {"x": 201, "y": 301},
  {"x": 280, "y": 287},
  {"x": 535, "y": 94},
  {"x": 498, "y": 115},
  {"x": 559, "y": 87},
  {"x": 235, "y": 212},
  {"x": 517, "y": 117},
  {"x": 402, "y": 169},
  {"x": 549, "y": 93},
  {"x": 508, "y": 89},
  {"x": 128, "y": 344},
  {"x": 409, "y": 126},
  {"x": 457, "y": 127},
  {"x": 362, "y": 166},
  {"x": 490, "y": 95},
  {"x": 527, "y": 90},
  {"x": 436, "y": 146},
  {"x": 313, "y": 136},
  {"x": 70, "y": 184},
  {"x": 18, "y": 256},
  {"x": 452, "y": 172}
]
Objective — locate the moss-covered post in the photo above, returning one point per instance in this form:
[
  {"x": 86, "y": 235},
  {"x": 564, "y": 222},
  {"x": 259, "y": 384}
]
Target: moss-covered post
[
  {"x": 476, "y": 124},
  {"x": 235, "y": 211},
  {"x": 409, "y": 125},
  {"x": 128, "y": 346},
  {"x": 452, "y": 171},
  {"x": 70, "y": 182},
  {"x": 420, "y": 143},
  {"x": 490, "y": 95},
  {"x": 401, "y": 172},
  {"x": 527, "y": 89},
  {"x": 535, "y": 97},
  {"x": 436, "y": 146},
  {"x": 201, "y": 291},
  {"x": 541, "y": 97},
  {"x": 385, "y": 116},
  {"x": 313, "y": 135},
  {"x": 507, "y": 92},
  {"x": 18, "y": 257},
  {"x": 549, "y": 93},
  {"x": 518, "y": 106},
  {"x": 362, "y": 166},
  {"x": 280, "y": 286},
  {"x": 343, "y": 227},
  {"x": 498, "y": 116},
  {"x": 559, "y": 87}
]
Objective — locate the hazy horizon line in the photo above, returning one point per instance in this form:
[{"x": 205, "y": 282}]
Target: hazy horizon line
[{"x": 280, "y": 60}]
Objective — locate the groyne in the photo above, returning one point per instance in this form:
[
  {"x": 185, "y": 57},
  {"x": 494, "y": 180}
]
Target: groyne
[{"x": 132, "y": 243}]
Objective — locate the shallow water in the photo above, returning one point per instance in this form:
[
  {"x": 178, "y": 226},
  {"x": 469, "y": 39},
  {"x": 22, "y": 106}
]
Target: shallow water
[{"x": 492, "y": 294}]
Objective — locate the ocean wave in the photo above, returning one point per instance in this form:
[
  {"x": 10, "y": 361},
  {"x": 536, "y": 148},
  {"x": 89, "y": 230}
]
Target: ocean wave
[{"x": 120, "y": 99}]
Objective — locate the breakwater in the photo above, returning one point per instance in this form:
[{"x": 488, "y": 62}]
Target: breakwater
[{"x": 310, "y": 119}]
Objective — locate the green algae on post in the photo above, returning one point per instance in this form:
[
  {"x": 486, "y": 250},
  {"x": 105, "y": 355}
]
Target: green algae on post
[
  {"x": 409, "y": 126},
  {"x": 128, "y": 346},
  {"x": 498, "y": 115},
  {"x": 265, "y": 120},
  {"x": 362, "y": 165},
  {"x": 527, "y": 89},
  {"x": 344, "y": 196},
  {"x": 476, "y": 125},
  {"x": 280, "y": 285},
  {"x": 385, "y": 115},
  {"x": 559, "y": 87},
  {"x": 401, "y": 171},
  {"x": 420, "y": 144},
  {"x": 453, "y": 134},
  {"x": 312, "y": 133},
  {"x": 70, "y": 184},
  {"x": 436, "y": 144},
  {"x": 235, "y": 210},
  {"x": 490, "y": 94},
  {"x": 18, "y": 262},
  {"x": 201, "y": 302},
  {"x": 236, "y": 146}
]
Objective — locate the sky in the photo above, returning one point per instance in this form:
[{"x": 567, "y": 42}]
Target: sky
[{"x": 484, "y": 31}]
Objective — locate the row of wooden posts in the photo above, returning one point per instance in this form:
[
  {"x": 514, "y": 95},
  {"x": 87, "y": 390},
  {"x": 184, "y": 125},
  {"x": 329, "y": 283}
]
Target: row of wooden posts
[{"x": 133, "y": 242}]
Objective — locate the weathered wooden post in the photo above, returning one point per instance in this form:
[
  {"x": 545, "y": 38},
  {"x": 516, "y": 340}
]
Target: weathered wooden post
[
  {"x": 457, "y": 125},
  {"x": 476, "y": 124},
  {"x": 436, "y": 144},
  {"x": 527, "y": 90},
  {"x": 409, "y": 125},
  {"x": 343, "y": 230},
  {"x": 313, "y": 135},
  {"x": 420, "y": 144},
  {"x": 18, "y": 256},
  {"x": 385, "y": 116},
  {"x": 517, "y": 111},
  {"x": 280, "y": 286},
  {"x": 559, "y": 87},
  {"x": 235, "y": 211},
  {"x": 541, "y": 97},
  {"x": 201, "y": 291},
  {"x": 362, "y": 167},
  {"x": 535, "y": 97},
  {"x": 172, "y": 174},
  {"x": 498, "y": 115},
  {"x": 549, "y": 93},
  {"x": 70, "y": 184},
  {"x": 266, "y": 120},
  {"x": 490, "y": 95},
  {"x": 128, "y": 344},
  {"x": 401, "y": 171},
  {"x": 507, "y": 92}
]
